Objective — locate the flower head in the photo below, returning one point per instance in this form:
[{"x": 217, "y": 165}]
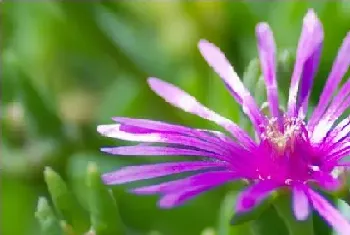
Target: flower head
[{"x": 290, "y": 150}]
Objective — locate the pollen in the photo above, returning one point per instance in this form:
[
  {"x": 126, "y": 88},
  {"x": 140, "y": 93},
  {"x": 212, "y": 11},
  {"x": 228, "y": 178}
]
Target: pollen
[{"x": 282, "y": 136}]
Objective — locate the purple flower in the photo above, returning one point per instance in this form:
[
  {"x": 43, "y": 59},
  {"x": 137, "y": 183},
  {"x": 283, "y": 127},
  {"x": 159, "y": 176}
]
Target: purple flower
[{"x": 290, "y": 150}]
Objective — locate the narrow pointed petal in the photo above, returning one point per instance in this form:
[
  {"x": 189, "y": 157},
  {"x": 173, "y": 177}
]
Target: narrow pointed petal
[
  {"x": 182, "y": 100},
  {"x": 215, "y": 137},
  {"x": 134, "y": 173},
  {"x": 130, "y": 133},
  {"x": 253, "y": 195},
  {"x": 327, "y": 181},
  {"x": 340, "y": 67},
  {"x": 159, "y": 126},
  {"x": 329, "y": 213},
  {"x": 339, "y": 105},
  {"x": 323, "y": 133},
  {"x": 180, "y": 196},
  {"x": 344, "y": 164},
  {"x": 339, "y": 99},
  {"x": 202, "y": 179},
  {"x": 176, "y": 199},
  {"x": 309, "y": 71},
  {"x": 267, "y": 54},
  {"x": 155, "y": 151},
  {"x": 300, "y": 203},
  {"x": 217, "y": 60},
  {"x": 334, "y": 114},
  {"x": 324, "y": 127},
  {"x": 340, "y": 154},
  {"x": 308, "y": 49},
  {"x": 115, "y": 131},
  {"x": 342, "y": 129}
]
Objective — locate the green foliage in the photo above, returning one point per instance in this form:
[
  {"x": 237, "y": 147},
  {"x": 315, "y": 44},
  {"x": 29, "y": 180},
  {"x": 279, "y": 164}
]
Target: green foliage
[
  {"x": 73, "y": 219},
  {"x": 47, "y": 219},
  {"x": 65, "y": 202},
  {"x": 105, "y": 218},
  {"x": 283, "y": 207},
  {"x": 69, "y": 66}
]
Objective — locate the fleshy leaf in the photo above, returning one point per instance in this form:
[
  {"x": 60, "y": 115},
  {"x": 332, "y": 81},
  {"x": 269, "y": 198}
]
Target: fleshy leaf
[
  {"x": 105, "y": 217},
  {"x": 48, "y": 221},
  {"x": 226, "y": 213},
  {"x": 283, "y": 206},
  {"x": 65, "y": 203}
]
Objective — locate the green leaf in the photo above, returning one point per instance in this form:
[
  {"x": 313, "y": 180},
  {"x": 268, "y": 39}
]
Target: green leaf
[
  {"x": 285, "y": 66},
  {"x": 65, "y": 202},
  {"x": 66, "y": 228},
  {"x": 105, "y": 217},
  {"x": 208, "y": 231},
  {"x": 127, "y": 36},
  {"x": 226, "y": 212},
  {"x": 48, "y": 221},
  {"x": 283, "y": 206},
  {"x": 42, "y": 117},
  {"x": 269, "y": 219},
  {"x": 252, "y": 74}
]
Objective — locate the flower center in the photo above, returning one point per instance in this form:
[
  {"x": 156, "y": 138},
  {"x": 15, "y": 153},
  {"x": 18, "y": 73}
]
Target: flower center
[{"x": 282, "y": 136}]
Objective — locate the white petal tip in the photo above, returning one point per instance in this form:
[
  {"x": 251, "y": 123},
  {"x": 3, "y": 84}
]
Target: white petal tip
[
  {"x": 207, "y": 48},
  {"x": 301, "y": 217},
  {"x": 203, "y": 43},
  {"x": 105, "y": 150},
  {"x": 107, "y": 129},
  {"x": 152, "y": 80},
  {"x": 311, "y": 18},
  {"x": 102, "y": 129},
  {"x": 262, "y": 27}
]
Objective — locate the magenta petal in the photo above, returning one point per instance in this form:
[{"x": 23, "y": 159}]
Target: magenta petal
[
  {"x": 134, "y": 173},
  {"x": 341, "y": 99},
  {"x": 267, "y": 54},
  {"x": 199, "y": 180},
  {"x": 329, "y": 213},
  {"x": 344, "y": 164},
  {"x": 300, "y": 203},
  {"x": 340, "y": 67},
  {"x": 115, "y": 131},
  {"x": 176, "y": 199},
  {"x": 322, "y": 132},
  {"x": 155, "y": 151},
  {"x": 308, "y": 75},
  {"x": 253, "y": 195},
  {"x": 327, "y": 181},
  {"x": 180, "y": 196},
  {"x": 215, "y": 137},
  {"x": 340, "y": 154},
  {"x": 181, "y": 99},
  {"x": 130, "y": 133},
  {"x": 159, "y": 126},
  {"x": 217, "y": 60},
  {"x": 342, "y": 130},
  {"x": 309, "y": 44}
]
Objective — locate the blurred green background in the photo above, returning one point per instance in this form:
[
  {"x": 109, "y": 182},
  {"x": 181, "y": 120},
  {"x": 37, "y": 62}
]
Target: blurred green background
[{"x": 67, "y": 67}]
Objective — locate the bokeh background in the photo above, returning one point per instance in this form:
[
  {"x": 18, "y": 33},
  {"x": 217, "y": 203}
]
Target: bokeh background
[{"x": 67, "y": 67}]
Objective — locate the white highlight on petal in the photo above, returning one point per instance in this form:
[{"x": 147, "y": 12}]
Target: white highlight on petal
[{"x": 114, "y": 131}]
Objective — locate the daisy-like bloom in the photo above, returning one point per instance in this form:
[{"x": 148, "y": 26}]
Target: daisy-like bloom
[{"x": 289, "y": 150}]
